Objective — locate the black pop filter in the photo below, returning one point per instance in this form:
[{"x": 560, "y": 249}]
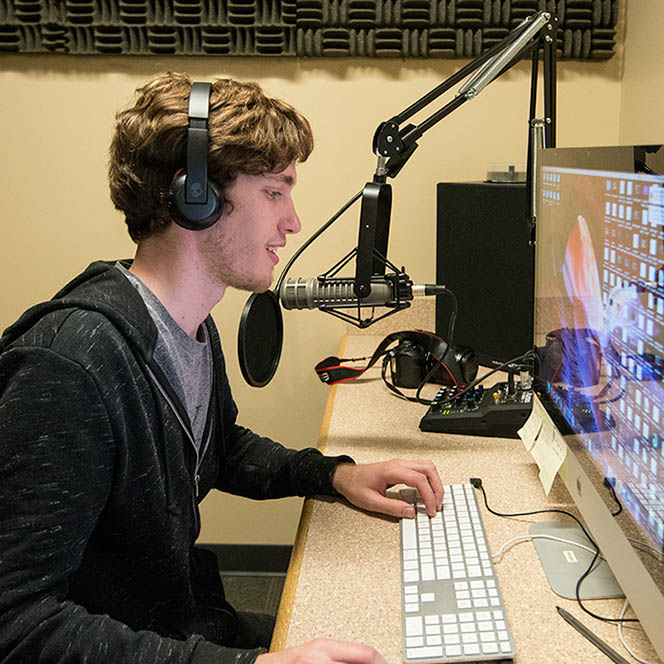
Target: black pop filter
[{"x": 260, "y": 338}]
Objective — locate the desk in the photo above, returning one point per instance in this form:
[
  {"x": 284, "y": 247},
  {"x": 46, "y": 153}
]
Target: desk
[{"x": 343, "y": 581}]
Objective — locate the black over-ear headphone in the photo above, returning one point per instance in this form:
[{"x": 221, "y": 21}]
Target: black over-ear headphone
[
  {"x": 456, "y": 365},
  {"x": 195, "y": 202}
]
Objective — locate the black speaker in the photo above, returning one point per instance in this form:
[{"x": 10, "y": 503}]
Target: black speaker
[{"x": 484, "y": 257}]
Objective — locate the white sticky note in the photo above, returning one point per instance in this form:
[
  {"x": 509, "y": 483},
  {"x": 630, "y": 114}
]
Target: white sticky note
[
  {"x": 549, "y": 452},
  {"x": 532, "y": 426}
]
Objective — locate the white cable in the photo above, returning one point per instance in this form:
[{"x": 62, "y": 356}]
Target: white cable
[
  {"x": 525, "y": 538},
  {"x": 622, "y": 638}
]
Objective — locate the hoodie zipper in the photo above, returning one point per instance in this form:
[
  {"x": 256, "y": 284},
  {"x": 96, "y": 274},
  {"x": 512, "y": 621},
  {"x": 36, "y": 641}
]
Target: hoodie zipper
[{"x": 199, "y": 454}]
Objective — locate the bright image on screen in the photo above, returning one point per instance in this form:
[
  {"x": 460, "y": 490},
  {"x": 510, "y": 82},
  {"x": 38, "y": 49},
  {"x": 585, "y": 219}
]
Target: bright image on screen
[{"x": 601, "y": 290}]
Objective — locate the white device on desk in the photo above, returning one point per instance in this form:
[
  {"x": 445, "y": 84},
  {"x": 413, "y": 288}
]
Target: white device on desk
[{"x": 452, "y": 610}]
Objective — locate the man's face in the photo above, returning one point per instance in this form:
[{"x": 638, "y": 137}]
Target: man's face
[{"x": 241, "y": 248}]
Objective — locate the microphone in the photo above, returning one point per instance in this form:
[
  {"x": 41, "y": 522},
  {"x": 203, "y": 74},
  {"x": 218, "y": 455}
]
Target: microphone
[{"x": 338, "y": 293}]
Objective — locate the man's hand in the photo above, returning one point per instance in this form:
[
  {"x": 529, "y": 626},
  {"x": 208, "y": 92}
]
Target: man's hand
[
  {"x": 323, "y": 651},
  {"x": 365, "y": 485}
]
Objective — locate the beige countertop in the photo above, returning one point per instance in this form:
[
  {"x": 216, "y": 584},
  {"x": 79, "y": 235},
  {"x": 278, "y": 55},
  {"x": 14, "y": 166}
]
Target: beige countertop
[{"x": 344, "y": 581}]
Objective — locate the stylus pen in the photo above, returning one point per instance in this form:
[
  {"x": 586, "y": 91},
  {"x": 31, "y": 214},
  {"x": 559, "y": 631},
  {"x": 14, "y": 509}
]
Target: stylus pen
[{"x": 593, "y": 638}]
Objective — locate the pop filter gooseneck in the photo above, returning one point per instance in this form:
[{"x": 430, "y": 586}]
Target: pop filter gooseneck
[{"x": 261, "y": 332}]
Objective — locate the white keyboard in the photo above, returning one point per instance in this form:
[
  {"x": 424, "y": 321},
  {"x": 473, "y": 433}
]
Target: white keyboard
[{"x": 452, "y": 608}]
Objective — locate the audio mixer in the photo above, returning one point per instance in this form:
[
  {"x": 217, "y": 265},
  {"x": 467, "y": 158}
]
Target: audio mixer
[{"x": 500, "y": 410}]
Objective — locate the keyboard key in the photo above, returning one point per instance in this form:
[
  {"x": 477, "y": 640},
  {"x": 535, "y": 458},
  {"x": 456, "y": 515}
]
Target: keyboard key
[
  {"x": 424, "y": 653},
  {"x": 428, "y": 572},
  {"x": 414, "y": 626},
  {"x": 408, "y": 534}
]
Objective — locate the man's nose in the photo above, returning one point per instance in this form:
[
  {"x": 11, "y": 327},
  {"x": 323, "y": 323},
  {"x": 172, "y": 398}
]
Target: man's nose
[{"x": 291, "y": 222}]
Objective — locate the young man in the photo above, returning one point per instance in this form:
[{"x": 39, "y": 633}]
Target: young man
[{"x": 116, "y": 417}]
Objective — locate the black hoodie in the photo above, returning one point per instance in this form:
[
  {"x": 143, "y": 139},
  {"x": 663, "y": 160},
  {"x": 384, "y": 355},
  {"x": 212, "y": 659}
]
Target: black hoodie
[{"x": 100, "y": 485}]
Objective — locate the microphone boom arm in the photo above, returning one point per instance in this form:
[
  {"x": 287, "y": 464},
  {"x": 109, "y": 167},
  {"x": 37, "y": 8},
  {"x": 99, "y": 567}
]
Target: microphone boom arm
[{"x": 394, "y": 145}]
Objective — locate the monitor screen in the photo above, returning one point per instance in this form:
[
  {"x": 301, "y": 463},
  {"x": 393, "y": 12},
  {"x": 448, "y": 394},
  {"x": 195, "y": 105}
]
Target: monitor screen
[{"x": 599, "y": 322}]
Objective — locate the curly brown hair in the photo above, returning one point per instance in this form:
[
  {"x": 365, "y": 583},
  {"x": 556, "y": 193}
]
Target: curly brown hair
[{"x": 249, "y": 133}]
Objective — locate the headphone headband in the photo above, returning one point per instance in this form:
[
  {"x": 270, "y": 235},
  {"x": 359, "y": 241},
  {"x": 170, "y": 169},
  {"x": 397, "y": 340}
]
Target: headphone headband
[{"x": 197, "y": 144}]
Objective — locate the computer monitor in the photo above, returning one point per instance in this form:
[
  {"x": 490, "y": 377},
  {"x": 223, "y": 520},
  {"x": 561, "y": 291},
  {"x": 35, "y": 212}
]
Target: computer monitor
[{"x": 599, "y": 331}]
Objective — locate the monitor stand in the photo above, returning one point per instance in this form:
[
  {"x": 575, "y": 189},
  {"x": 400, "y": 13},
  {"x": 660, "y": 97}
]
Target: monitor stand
[{"x": 564, "y": 563}]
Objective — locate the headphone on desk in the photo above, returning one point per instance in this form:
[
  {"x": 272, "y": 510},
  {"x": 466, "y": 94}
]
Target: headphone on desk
[
  {"x": 194, "y": 201},
  {"x": 451, "y": 365}
]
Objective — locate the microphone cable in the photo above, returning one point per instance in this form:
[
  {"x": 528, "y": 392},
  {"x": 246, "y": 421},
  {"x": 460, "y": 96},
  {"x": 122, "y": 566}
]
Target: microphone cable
[
  {"x": 438, "y": 365},
  {"x": 311, "y": 239}
]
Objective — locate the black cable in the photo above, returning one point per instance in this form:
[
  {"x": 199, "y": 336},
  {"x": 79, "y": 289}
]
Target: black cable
[
  {"x": 386, "y": 361},
  {"x": 477, "y": 381},
  {"x": 609, "y": 486},
  {"x": 477, "y": 483},
  {"x": 314, "y": 237},
  {"x": 390, "y": 354},
  {"x": 453, "y": 315}
]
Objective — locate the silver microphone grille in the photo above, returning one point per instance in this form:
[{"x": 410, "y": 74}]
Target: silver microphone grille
[{"x": 310, "y": 293}]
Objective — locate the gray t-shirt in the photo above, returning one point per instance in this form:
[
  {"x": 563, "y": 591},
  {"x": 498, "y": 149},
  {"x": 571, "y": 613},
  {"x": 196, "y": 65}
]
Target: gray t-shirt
[{"x": 186, "y": 362}]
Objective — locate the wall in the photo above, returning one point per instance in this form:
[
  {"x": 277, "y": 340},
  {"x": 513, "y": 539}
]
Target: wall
[
  {"x": 642, "y": 90},
  {"x": 57, "y": 115}
]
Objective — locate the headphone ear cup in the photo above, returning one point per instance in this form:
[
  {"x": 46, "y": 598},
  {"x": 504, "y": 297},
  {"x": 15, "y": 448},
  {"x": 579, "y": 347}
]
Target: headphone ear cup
[
  {"x": 194, "y": 216},
  {"x": 467, "y": 363}
]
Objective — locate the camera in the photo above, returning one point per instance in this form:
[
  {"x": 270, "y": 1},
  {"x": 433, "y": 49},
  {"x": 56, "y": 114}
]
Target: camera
[{"x": 411, "y": 363}]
